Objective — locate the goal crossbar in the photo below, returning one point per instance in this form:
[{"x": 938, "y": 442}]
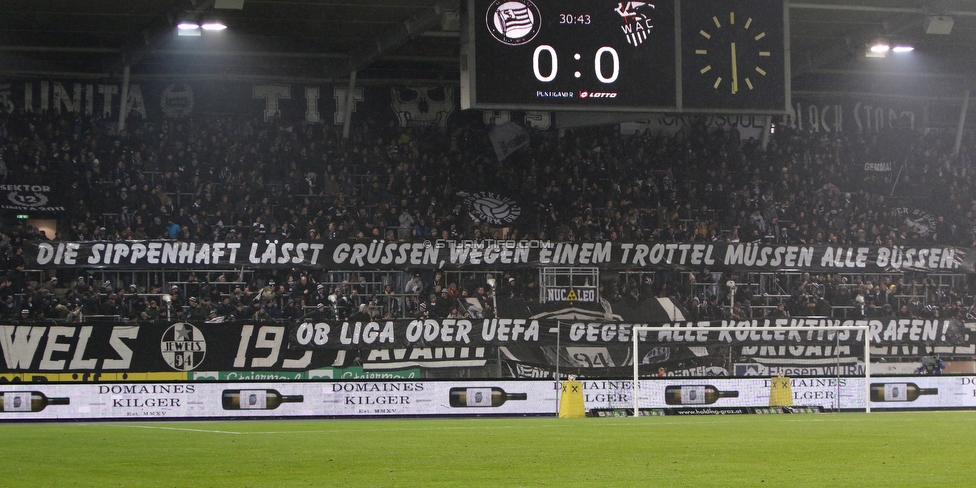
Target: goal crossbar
[{"x": 672, "y": 328}]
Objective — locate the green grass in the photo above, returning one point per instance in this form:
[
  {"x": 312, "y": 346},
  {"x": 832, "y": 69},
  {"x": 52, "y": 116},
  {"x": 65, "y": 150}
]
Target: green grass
[{"x": 853, "y": 449}]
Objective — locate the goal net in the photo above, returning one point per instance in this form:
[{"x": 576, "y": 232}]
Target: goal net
[{"x": 823, "y": 366}]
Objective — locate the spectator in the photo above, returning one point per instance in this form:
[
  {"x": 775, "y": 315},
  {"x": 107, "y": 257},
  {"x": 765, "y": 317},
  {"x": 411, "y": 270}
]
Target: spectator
[{"x": 262, "y": 315}]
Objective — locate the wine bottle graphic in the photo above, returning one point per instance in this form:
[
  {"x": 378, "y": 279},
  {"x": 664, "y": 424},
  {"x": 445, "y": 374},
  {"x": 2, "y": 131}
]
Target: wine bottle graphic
[
  {"x": 28, "y": 401},
  {"x": 482, "y": 397},
  {"x": 256, "y": 399},
  {"x": 899, "y": 392},
  {"x": 695, "y": 394}
]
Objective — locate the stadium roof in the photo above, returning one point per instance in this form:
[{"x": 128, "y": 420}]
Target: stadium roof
[{"x": 418, "y": 41}]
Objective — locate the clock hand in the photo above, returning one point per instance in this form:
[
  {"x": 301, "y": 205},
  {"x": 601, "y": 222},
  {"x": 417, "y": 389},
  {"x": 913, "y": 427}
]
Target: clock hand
[{"x": 735, "y": 72}]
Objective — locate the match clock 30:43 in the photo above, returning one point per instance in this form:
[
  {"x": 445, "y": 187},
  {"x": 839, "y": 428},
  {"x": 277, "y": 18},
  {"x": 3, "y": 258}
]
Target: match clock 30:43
[{"x": 733, "y": 55}]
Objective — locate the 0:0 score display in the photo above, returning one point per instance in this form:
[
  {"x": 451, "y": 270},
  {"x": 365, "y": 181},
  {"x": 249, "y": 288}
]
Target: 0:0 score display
[{"x": 545, "y": 53}]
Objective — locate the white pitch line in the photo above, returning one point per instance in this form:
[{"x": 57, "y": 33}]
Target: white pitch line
[
  {"x": 627, "y": 423},
  {"x": 207, "y": 431},
  {"x": 400, "y": 429},
  {"x": 318, "y": 431}
]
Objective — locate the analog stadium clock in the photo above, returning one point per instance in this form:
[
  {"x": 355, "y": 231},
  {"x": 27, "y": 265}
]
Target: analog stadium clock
[{"x": 733, "y": 55}]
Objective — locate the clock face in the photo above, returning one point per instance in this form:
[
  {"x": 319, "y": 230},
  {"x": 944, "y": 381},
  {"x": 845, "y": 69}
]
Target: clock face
[{"x": 733, "y": 55}]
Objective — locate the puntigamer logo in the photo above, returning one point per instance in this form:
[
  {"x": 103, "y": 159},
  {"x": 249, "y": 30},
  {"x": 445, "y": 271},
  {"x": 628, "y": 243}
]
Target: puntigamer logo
[{"x": 183, "y": 346}]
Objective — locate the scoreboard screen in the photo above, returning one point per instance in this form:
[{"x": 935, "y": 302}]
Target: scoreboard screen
[{"x": 705, "y": 56}]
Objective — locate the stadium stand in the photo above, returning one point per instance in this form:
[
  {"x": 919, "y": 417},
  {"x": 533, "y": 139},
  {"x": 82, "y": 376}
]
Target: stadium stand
[{"x": 228, "y": 178}]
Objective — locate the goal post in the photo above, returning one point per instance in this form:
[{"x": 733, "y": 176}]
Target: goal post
[{"x": 641, "y": 334}]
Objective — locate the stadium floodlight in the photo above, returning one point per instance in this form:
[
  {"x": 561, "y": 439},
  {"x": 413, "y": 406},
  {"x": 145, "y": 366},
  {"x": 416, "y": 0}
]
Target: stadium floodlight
[
  {"x": 194, "y": 27},
  {"x": 639, "y": 336},
  {"x": 213, "y": 26},
  {"x": 188, "y": 29},
  {"x": 880, "y": 48}
]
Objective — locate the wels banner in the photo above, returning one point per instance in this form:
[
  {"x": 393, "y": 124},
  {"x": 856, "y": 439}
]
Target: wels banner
[
  {"x": 494, "y": 254},
  {"x": 178, "y": 347}
]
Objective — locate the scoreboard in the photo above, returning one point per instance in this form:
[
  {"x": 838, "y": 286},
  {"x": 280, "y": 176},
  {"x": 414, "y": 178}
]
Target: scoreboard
[{"x": 680, "y": 56}]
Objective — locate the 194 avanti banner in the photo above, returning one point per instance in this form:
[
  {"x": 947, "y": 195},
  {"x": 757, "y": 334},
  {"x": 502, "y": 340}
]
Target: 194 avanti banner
[{"x": 493, "y": 254}]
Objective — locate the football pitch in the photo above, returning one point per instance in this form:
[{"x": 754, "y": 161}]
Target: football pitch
[{"x": 840, "y": 449}]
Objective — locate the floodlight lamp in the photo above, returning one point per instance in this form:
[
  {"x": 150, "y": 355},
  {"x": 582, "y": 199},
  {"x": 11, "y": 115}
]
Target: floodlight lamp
[
  {"x": 188, "y": 28},
  {"x": 212, "y": 25},
  {"x": 902, "y": 49},
  {"x": 877, "y": 49}
]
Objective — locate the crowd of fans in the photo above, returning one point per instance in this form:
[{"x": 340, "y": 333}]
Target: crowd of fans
[
  {"x": 229, "y": 178},
  {"x": 832, "y": 295}
]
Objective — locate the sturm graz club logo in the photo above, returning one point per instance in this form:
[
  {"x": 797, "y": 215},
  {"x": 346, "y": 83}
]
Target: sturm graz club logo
[
  {"x": 183, "y": 346},
  {"x": 513, "y": 22},
  {"x": 492, "y": 208}
]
